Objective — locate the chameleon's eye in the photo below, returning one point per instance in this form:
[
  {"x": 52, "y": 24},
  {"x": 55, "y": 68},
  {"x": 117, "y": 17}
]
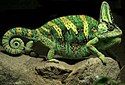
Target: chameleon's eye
[{"x": 111, "y": 27}]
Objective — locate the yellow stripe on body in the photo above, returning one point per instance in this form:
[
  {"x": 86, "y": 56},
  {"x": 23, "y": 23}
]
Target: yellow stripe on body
[
  {"x": 85, "y": 24},
  {"x": 68, "y": 24},
  {"x": 56, "y": 27}
]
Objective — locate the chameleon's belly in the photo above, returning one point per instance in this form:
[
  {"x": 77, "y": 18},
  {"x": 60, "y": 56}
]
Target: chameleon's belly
[{"x": 73, "y": 52}]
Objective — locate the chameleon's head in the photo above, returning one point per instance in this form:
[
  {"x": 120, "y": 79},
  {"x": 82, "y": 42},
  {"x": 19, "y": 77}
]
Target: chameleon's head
[{"x": 106, "y": 26}]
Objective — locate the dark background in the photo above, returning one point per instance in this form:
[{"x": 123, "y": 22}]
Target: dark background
[{"x": 34, "y": 13}]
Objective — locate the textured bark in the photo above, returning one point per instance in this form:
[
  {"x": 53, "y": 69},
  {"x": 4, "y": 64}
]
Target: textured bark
[{"x": 26, "y": 70}]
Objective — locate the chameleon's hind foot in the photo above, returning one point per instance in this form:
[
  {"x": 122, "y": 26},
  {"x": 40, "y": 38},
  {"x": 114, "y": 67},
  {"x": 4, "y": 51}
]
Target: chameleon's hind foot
[
  {"x": 28, "y": 47},
  {"x": 53, "y": 60}
]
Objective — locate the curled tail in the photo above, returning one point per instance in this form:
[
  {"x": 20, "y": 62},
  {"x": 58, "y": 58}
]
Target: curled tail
[{"x": 12, "y": 41}]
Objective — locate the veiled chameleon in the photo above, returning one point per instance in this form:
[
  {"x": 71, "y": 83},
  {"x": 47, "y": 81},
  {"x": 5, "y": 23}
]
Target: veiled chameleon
[{"x": 73, "y": 36}]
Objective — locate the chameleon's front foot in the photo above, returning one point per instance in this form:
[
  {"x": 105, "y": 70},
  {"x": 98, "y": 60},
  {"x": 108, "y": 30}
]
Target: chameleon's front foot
[
  {"x": 91, "y": 47},
  {"x": 53, "y": 60},
  {"x": 103, "y": 59}
]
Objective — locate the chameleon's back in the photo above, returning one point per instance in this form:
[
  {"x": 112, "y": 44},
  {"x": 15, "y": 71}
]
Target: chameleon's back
[{"x": 70, "y": 29}]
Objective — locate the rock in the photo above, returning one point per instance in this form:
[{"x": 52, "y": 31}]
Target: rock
[
  {"x": 86, "y": 72},
  {"x": 26, "y": 70},
  {"x": 16, "y": 71},
  {"x": 122, "y": 74}
]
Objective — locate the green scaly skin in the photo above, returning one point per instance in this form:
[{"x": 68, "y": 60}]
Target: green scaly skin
[{"x": 73, "y": 36}]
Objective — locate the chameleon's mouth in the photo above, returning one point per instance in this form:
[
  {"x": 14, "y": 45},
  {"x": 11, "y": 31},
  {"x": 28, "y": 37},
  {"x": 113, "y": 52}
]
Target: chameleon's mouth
[
  {"x": 119, "y": 36},
  {"x": 118, "y": 33}
]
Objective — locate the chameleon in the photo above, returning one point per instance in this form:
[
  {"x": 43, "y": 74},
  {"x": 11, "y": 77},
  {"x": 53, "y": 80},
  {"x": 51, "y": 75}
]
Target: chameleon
[{"x": 71, "y": 36}]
